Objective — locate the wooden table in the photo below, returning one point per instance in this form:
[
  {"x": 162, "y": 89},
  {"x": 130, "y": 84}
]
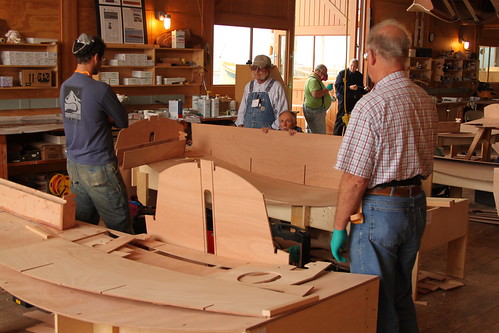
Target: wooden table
[{"x": 489, "y": 122}]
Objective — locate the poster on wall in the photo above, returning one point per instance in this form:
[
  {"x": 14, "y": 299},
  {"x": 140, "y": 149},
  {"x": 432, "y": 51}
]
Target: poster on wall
[
  {"x": 133, "y": 25},
  {"x": 110, "y": 24},
  {"x": 122, "y": 21}
]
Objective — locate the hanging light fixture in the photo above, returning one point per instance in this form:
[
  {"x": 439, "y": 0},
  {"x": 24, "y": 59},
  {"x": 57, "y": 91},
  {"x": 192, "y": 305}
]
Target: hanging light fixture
[
  {"x": 165, "y": 18},
  {"x": 426, "y": 6}
]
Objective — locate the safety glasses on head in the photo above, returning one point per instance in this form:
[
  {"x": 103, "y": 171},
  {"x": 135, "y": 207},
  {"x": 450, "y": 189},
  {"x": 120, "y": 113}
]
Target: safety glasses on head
[{"x": 82, "y": 43}]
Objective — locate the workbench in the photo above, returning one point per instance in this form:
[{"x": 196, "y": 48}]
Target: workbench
[{"x": 27, "y": 124}]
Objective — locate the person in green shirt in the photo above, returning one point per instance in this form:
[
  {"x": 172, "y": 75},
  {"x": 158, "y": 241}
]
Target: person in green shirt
[{"x": 317, "y": 100}]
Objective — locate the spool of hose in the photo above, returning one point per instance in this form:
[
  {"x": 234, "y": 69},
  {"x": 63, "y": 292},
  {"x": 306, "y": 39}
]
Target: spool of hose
[{"x": 59, "y": 185}]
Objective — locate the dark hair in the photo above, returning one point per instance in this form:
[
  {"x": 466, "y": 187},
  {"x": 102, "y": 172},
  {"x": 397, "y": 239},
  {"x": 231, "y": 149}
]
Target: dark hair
[{"x": 85, "y": 47}]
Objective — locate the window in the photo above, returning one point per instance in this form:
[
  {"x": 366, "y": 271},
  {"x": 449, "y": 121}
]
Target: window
[
  {"x": 311, "y": 51},
  {"x": 236, "y": 45},
  {"x": 489, "y": 64}
]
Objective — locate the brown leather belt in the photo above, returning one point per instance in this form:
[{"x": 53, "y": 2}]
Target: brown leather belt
[{"x": 397, "y": 191}]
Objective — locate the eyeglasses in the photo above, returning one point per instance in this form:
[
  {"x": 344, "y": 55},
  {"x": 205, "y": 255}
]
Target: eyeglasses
[
  {"x": 256, "y": 68},
  {"x": 325, "y": 74}
]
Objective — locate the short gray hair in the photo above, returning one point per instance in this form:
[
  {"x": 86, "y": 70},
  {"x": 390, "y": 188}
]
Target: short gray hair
[
  {"x": 390, "y": 40},
  {"x": 320, "y": 67}
]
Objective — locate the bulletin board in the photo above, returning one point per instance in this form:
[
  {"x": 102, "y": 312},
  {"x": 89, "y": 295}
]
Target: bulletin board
[{"x": 121, "y": 21}]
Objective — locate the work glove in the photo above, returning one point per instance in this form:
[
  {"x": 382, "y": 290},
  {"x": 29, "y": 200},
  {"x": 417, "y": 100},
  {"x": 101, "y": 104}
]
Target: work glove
[
  {"x": 329, "y": 87},
  {"x": 338, "y": 244}
]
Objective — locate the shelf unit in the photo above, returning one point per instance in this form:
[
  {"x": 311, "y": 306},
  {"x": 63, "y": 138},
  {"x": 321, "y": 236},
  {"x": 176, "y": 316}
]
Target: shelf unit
[
  {"x": 470, "y": 70},
  {"x": 446, "y": 71},
  {"x": 419, "y": 70},
  {"x": 165, "y": 62},
  {"x": 27, "y": 61}
]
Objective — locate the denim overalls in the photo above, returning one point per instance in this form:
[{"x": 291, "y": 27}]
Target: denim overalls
[{"x": 261, "y": 115}]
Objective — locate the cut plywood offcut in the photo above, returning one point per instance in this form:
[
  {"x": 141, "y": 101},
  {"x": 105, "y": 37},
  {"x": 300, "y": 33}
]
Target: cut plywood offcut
[
  {"x": 281, "y": 279},
  {"x": 36, "y": 205}
]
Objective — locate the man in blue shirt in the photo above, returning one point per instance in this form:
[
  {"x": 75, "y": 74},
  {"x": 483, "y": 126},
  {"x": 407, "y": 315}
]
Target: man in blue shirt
[{"x": 90, "y": 109}]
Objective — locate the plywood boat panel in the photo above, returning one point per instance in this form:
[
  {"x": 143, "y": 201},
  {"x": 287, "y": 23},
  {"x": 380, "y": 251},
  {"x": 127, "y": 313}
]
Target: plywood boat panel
[
  {"x": 71, "y": 265},
  {"x": 343, "y": 295},
  {"x": 249, "y": 149},
  {"x": 180, "y": 208}
]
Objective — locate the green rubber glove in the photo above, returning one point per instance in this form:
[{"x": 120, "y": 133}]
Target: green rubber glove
[
  {"x": 329, "y": 87},
  {"x": 338, "y": 244}
]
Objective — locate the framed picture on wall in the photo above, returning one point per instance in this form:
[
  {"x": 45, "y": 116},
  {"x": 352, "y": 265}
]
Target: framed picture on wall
[
  {"x": 110, "y": 24},
  {"x": 134, "y": 25},
  {"x": 122, "y": 21}
]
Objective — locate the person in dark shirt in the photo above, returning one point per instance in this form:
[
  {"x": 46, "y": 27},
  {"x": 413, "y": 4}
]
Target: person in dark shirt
[
  {"x": 354, "y": 91},
  {"x": 90, "y": 109}
]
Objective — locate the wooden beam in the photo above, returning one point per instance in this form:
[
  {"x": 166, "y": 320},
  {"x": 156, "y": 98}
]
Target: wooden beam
[
  {"x": 471, "y": 10},
  {"x": 36, "y": 205}
]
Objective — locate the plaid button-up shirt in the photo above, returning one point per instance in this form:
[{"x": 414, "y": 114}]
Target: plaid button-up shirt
[{"x": 391, "y": 134}]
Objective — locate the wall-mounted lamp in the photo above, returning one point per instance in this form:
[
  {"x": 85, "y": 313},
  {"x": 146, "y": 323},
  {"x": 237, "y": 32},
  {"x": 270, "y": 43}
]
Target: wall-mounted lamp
[
  {"x": 466, "y": 45},
  {"x": 162, "y": 16}
]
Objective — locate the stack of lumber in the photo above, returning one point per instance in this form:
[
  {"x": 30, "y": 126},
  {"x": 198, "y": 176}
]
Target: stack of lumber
[{"x": 484, "y": 216}]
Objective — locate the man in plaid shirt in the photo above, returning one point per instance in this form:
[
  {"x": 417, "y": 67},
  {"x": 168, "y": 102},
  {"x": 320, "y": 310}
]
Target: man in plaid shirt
[{"x": 386, "y": 151}]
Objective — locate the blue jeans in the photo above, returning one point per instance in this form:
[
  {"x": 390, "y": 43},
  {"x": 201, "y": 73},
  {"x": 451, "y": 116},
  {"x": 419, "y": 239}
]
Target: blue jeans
[
  {"x": 386, "y": 245},
  {"x": 100, "y": 193},
  {"x": 316, "y": 119}
]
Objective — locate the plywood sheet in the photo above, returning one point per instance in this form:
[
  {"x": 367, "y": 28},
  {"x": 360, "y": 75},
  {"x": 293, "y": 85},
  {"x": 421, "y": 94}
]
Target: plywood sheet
[{"x": 83, "y": 268}]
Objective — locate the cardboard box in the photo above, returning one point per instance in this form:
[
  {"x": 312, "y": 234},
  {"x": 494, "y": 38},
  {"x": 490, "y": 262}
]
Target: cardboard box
[
  {"x": 178, "y": 39},
  {"x": 35, "y": 78},
  {"x": 49, "y": 151},
  {"x": 6, "y": 81}
]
